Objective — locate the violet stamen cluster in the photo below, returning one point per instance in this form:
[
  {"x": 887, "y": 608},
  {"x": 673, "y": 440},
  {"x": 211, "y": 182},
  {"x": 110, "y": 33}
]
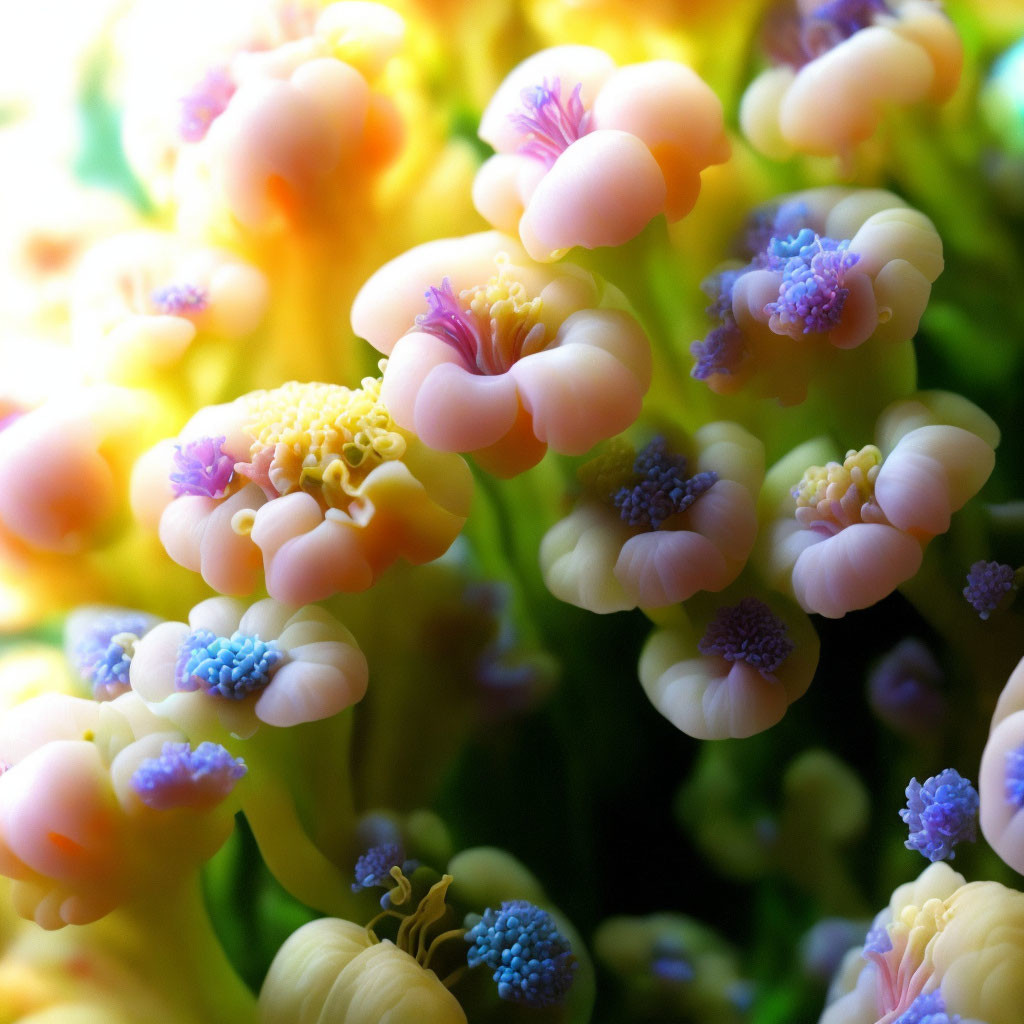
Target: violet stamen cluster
[
  {"x": 989, "y": 585},
  {"x": 551, "y": 124},
  {"x": 448, "y": 321},
  {"x": 373, "y": 868},
  {"x": 751, "y": 632},
  {"x": 941, "y": 812},
  {"x": 811, "y": 294},
  {"x": 183, "y": 777},
  {"x": 1014, "y": 786},
  {"x": 204, "y": 104},
  {"x": 928, "y": 1008},
  {"x": 202, "y": 468},
  {"x": 103, "y": 655},
  {"x": 179, "y": 299},
  {"x": 230, "y": 667}
]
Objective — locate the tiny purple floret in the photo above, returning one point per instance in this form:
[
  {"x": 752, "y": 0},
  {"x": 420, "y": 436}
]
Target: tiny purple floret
[
  {"x": 833, "y": 22},
  {"x": 721, "y": 352},
  {"x": 941, "y": 812},
  {"x": 207, "y": 101},
  {"x": 928, "y": 1008},
  {"x": 183, "y": 777},
  {"x": 749, "y": 631},
  {"x": 373, "y": 869},
  {"x": 812, "y": 293},
  {"x": 102, "y": 656},
  {"x": 1015, "y": 777},
  {"x": 447, "y": 321},
  {"x": 202, "y": 468},
  {"x": 904, "y": 689},
  {"x": 551, "y": 124},
  {"x": 179, "y": 299},
  {"x": 988, "y": 585}
]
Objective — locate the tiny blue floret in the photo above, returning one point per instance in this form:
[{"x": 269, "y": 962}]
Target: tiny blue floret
[
  {"x": 231, "y": 667},
  {"x": 721, "y": 352},
  {"x": 373, "y": 868},
  {"x": 988, "y": 584},
  {"x": 928, "y": 1008},
  {"x": 183, "y": 777},
  {"x": 103, "y": 654},
  {"x": 749, "y": 631},
  {"x": 812, "y": 293},
  {"x": 941, "y": 813},
  {"x": 178, "y": 299},
  {"x": 877, "y": 941},
  {"x": 1015, "y": 777},
  {"x": 532, "y": 961}
]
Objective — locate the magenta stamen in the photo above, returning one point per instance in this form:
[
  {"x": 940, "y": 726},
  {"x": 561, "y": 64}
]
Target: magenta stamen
[
  {"x": 448, "y": 321},
  {"x": 178, "y": 299},
  {"x": 552, "y": 126},
  {"x": 201, "y": 107}
]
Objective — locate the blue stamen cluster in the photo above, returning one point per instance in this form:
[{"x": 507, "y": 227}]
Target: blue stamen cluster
[
  {"x": 749, "y": 631},
  {"x": 230, "y": 667},
  {"x": 877, "y": 942},
  {"x": 988, "y": 584},
  {"x": 940, "y": 813},
  {"x": 552, "y": 126},
  {"x": 720, "y": 352},
  {"x": 904, "y": 689},
  {"x": 831, "y": 23},
  {"x": 663, "y": 490},
  {"x": 176, "y": 299},
  {"x": 201, "y": 468},
  {"x": 669, "y": 962},
  {"x": 103, "y": 654},
  {"x": 1015, "y": 777},
  {"x": 373, "y": 868},
  {"x": 531, "y": 960},
  {"x": 812, "y": 292},
  {"x": 183, "y": 777},
  {"x": 770, "y": 221},
  {"x": 928, "y": 1008}
]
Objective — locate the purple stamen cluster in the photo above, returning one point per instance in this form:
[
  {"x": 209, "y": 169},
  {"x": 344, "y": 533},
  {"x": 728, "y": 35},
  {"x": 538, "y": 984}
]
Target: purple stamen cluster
[
  {"x": 183, "y": 777},
  {"x": 772, "y": 222},
  {"x": 928, "y": 1008},
  {"x": 720, "y": 352},
  {"x": 904, "y": 689},
  {"x": 450, "y": 323},
  {"x": 1015, "y": 777},
  {"x": 179, "y": 299},
  {"x": 812, "y": 292},
  {"x": 877, "y": 942},
  {"x": 532, "y": 961},
  {"x": 988, "y": 586},
  {"x": 941, "y": 812},
  {"x": 669, "y": 962},
  {"x": 103, "y": 653},
  {"x": 202, "y": 468},
  {"x": 749, "y": 631},
  {"x": 663, "y": 488},
  {"x": 797, "y": 39},
  {"x": 207, "y": 101},
  {"x": 373, "y": 868},
  {"x": 551, "y": 124},
  {"x": 230, "y": 667}
]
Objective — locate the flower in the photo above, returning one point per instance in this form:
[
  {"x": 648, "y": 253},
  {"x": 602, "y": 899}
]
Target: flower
[
  {"x": 588, "y": 153},
  {"x": 904, "y": 689},
  {"x": 505, "y": 357},
  {"x": 827, "y": 270},
  {"x": 140, "y": 301},
  {"x": 532, "y": 962},
  {"x": 849, "y": 533},
  {"x": 989, "y": 585},
  {"x": 326, "y": 491},
  {"x": 234, "y": 667},
  {"x": 952, "y": 948},
  {"x": 853, "y": 58},
  {"x": 738, "y": 676},
  {"x": 649, "y": 535},
  {"x": 102, "y": 802},
  {"x": 941, "y": 813}
]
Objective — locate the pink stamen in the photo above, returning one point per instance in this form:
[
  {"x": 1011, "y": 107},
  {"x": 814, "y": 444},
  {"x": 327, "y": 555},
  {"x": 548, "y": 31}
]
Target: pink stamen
[{"x": 551, "y": 125}]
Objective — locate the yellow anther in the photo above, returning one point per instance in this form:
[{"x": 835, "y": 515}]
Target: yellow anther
[{"x": 832, "y": 481}]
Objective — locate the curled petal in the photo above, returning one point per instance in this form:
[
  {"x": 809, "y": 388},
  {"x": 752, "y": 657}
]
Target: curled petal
[
  {"x": 666, "y": 566},
  {"x": 759, "y": 112},
  {"x": 1012, "y": 697},
  {"x": 154, "y": 662}
]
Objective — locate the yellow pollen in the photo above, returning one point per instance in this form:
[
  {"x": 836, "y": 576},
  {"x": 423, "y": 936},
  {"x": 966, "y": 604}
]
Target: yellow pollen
[
  {"x": 325, "y": 438},
  {"x": 832, "y": 482}
]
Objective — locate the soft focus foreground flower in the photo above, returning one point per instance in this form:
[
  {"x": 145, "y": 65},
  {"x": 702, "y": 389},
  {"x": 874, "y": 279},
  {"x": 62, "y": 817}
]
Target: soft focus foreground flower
[
  {"x": 848, "y": 534},
  {"x": 588, "y": 153},
  {"x": 840, "y": 64},
  {"x": 828, "y": 270},
  {"x": 336, "y": 492},
  {"x": 101, "y": 802},
  {"x": 648, "y": 534},
  {"x": 939, "y": 936},
  {"x": 733, "y": 672},
  {"x": 240, "y": 666},
  {"x": 504, "y": 357}
]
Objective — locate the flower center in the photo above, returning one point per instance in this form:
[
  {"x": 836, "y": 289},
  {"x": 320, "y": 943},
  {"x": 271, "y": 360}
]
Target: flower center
[
  {"x": 183, "y": 777},
  {"x": 231, "y": 667},
  {"x": 750, "y": 632},
  {"x": 797, "y": 39},
  {"x": 104, "y": 654},
  {"x": 491, "y": 326},
  {"x": 201, "y": 468},
  {"x": 1014, "y": 790},
  {"x": 834, "y": 496},
  {"x": 550, "y": 124},
  {"x": 179, "y": 299},
  {"x": 204, "y": 104},
  {"x": 324, "y": 439}
]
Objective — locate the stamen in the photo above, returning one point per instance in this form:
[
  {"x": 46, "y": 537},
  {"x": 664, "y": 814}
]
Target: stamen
[
  {"x": 834, "y": 496},
  {"x": 928, "y": 1008},
  {"x": 769, "y": 222},
  {"x": 750, "y": 632},
  {"x": 552, "y": 126},
  {"x": 721, "y": 351},
  {"x": 179, "y": 299},
  {"x": 941, "y": 812},
  {"x": 103, "y": 655},
  {"x": 811, "y": 295},
  {"x": 990, "y": 586},
  {"x": 183, "y": 777},
  {"x": 201, "y": 468},
  {"x": 230, "y": 667},
  {"x": 1015, "y": 777},
  {"x": 201, "y": 107},
  {"x": 836, "y": 21},
  {"x": 373, "y": 868}
]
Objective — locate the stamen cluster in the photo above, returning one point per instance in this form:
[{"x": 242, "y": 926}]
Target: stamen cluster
[
  {"x": 834, "y": 496},
  {"x": 231, "y": 667},
  {"x": 941, "y": 812},
  {"x": 750, "y": 632}
]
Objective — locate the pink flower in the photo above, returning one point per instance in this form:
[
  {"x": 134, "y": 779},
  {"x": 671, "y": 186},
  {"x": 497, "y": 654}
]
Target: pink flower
[
  {"x": 503, "y": 357},
  {"x": 588, "y": 153},
  {"x": 630, "y": 543},
  {"x": 326, "y": 493},
  {"x": 847, "y": 534}
]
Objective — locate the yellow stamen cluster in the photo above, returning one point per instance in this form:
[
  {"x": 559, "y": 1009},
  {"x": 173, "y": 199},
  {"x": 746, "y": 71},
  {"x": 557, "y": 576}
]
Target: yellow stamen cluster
[
  {"x": 325, "y": 438},
  {"x": 833, "y": 481},
  {"x": 508, "y": 316}
]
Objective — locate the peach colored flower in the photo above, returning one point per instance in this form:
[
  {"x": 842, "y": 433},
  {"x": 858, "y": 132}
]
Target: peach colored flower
[
  {"x": 630, "y": 543},
  {"x": 731, "y": 672},
  {"x": 95, "y": 809},
  {"x": 504, "y": 357},
  {"x": 303, "y": 665},
  {"x": 847, "y": 534},
  {"x": 139, "y": 301},
  {"x": 829, "y": 269},
  {"x": 828, "y": 93},
  {"x": 588, "y": 153},
  {"x": 313, "y": 480}
]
